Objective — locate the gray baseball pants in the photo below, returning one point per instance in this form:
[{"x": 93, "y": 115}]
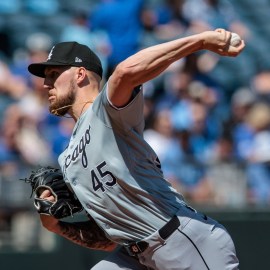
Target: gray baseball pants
[{"x": 199, "y": 243}]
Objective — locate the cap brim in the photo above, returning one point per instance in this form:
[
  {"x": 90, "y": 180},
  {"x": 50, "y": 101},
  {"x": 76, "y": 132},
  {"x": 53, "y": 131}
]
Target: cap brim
[{"x": 38, "y": 69}]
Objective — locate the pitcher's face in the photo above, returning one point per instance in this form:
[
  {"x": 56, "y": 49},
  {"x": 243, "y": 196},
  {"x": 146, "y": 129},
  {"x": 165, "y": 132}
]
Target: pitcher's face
[{"x": 59, "y": 82}]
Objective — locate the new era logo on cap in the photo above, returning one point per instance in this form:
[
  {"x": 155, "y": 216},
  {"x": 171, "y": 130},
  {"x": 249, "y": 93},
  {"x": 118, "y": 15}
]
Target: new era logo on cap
[
  {"x": 69, "y": 54},
  {"x": 78, "y": 60}
]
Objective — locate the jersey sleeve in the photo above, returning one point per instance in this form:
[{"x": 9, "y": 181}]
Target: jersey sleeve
[{"x": 124, "y": 118}]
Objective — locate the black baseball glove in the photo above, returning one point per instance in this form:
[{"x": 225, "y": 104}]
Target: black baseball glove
[{"x": 66, "y": 204}]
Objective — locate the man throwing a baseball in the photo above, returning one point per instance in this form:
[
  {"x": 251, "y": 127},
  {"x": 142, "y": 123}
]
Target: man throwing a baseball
[{"x": 115, "y": 174}]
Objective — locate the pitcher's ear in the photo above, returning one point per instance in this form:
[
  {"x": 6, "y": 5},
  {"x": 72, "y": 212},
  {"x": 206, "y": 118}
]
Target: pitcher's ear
[{"x": 80, "y": 74}]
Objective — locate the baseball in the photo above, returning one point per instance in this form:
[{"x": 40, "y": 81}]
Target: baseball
[{"x": 235, "y": 40}]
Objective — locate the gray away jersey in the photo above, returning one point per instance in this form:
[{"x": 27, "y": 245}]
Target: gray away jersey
[{"x": 115, "y": 174}]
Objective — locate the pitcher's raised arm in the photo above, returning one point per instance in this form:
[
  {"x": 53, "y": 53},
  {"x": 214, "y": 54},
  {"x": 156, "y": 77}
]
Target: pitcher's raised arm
[{"x": 152, "y": 61}]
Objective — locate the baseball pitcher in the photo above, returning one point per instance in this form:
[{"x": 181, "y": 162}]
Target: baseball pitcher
[{"x": 113, "y": 174}]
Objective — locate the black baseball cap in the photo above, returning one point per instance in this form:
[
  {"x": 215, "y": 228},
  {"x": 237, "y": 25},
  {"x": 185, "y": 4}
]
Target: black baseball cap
[{"x": 68, "y": 54}]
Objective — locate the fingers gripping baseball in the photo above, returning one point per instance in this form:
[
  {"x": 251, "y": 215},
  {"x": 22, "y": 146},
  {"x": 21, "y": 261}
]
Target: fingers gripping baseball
[
  {"x": 51, "y": 194},
  {"x": 220, "y": 42}
]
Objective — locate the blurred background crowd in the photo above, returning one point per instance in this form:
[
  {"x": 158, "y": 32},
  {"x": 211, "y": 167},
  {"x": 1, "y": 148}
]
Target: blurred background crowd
[{"x": 207, "y": 117}]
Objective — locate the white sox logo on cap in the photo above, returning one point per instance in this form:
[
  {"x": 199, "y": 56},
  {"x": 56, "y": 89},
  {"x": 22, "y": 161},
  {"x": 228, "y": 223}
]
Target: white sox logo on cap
[{"x": 50, "y": 54}]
